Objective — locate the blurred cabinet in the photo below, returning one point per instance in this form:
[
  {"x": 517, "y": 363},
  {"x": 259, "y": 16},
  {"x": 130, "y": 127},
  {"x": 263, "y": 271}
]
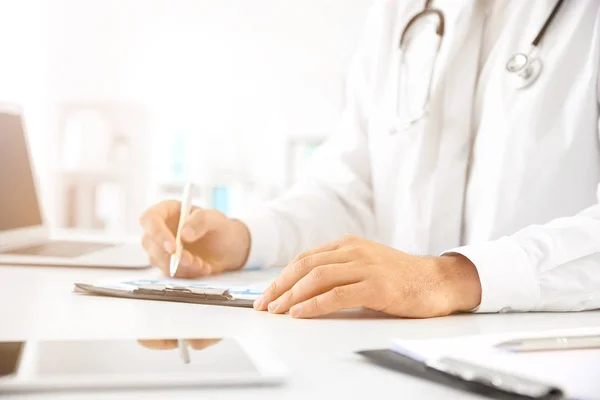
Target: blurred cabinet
[
  {"x": 101, "y": 182},
  {"x": 116, "y": 159}
]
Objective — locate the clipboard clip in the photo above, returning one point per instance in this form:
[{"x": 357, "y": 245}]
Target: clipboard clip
[{"x": 172, "y": 291}]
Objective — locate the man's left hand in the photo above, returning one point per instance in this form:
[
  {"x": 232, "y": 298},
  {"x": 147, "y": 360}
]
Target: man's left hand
[{"x": 354, "y": 272}]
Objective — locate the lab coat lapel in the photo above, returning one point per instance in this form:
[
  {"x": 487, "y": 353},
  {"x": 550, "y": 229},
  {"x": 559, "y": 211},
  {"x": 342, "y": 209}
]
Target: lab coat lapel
[
  {"x": 436, "y": 167},
  {"x": 455, "y": 90}
]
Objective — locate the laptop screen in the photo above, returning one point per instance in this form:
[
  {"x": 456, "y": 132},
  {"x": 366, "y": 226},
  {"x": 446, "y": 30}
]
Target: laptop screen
[{"x": 19, "y": 207}]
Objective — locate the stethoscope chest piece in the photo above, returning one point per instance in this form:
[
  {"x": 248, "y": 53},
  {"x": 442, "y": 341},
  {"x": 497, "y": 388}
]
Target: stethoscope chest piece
[{"x": 523, "y": 70}]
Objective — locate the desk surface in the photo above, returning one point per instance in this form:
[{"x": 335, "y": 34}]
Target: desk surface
[{"x": 39, "y": 302}]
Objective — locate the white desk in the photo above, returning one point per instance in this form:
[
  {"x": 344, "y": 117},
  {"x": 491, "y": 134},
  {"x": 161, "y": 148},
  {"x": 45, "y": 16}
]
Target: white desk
[{"x": 38, "y": 302}]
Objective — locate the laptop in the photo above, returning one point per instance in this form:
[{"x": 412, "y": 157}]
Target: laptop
[{"x": 24, "y": 238}]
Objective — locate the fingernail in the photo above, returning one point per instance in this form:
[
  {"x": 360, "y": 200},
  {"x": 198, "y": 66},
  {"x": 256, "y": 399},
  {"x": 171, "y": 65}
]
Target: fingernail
[
  {"x": 296, "y": 311},
  {"x": 169, "y": 248},
  {"x": 273, "y": 306},
  {"x": 188, "y": 234},
  {"x": 258, "y": 303}
]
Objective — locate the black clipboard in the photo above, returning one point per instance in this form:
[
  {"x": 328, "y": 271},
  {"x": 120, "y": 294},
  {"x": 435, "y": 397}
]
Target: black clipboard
[
  {"x": 467, "y": 377},
  {"x": 180, "y": 294}
]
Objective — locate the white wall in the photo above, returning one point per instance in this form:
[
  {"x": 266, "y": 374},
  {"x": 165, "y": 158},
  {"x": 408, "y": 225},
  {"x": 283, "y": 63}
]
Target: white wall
[
  {"x": 251, "y": 72},
  {"x": 23, "y": 67}
]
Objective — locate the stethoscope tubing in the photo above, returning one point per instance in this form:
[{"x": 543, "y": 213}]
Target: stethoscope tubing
[{"x": 524, "y": 67}]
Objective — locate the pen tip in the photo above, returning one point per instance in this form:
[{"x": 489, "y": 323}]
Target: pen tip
[{"x": 173, "y": 266}]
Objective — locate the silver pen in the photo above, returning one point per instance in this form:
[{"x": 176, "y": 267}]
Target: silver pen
[
  {"x": 551, "y": 343},
  {"x": 186, "y": 205}
]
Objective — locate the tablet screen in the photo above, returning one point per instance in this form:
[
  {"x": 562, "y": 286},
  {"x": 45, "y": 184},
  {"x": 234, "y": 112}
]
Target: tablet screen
[{"x": 122, "y": 357}]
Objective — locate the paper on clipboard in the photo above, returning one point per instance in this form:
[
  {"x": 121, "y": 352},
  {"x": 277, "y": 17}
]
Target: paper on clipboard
[
  {"x": 575, "y": 371},
  {"x": 235, "y": 289}
]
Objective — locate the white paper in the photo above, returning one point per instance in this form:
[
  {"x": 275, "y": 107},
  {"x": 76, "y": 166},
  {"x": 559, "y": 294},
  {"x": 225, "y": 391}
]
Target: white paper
[
  {"x": 247, "y": 285},
  {"x": 575, "y": 371}
]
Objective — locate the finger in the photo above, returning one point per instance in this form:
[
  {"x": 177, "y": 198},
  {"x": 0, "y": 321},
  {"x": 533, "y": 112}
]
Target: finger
[
  {"x": 217, "y": 268},
  {"x": 200, "y": 344},
  {"x": 191, "y": 267},
  {"x": 339, "y": 298},
  {"x": 296, "y": 271},
  {"x": 199, "y": 222},
  {"x": 158, "y": 344},
  {"x": 318, "y": 281},
  {"x": 154, "y": 226},
  {"x": 165, "y": 209},
  {"x": 331, "y": 246},
  {"x": 155, "y": 263},
  {"x": 156, "y": 253}
]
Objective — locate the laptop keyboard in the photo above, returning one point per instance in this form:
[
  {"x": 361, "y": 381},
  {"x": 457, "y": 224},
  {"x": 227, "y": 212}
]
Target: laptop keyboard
[{"x": 59, "y": 249}]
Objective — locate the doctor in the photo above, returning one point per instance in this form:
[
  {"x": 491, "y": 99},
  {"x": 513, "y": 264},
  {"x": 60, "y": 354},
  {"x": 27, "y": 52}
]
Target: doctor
[{"x": 463, "y": 175}]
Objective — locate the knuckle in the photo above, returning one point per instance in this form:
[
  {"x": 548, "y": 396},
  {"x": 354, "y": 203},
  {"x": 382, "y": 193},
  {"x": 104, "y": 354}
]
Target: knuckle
[
  {"x": 195, "y": 217},
  {"x": 301, "y": 265},
  {"x": 349, "y": 238},
  {"x": 213, "y": 213},
  {"x": 145, "y": 241},
  {"x": 150, "y": 250},
  {"x": 163, "y": 263},
  {"x": 155, "y": 262},
  {"x": 150, "y": 214},
  {"x": 338, "y": 294},
  {"x": 288, "y": 296},
  {"x": 153, "y": 250},
  {"x": 168, "y": 204},
  {"x": 273, "y": 288},
  {"x": 357, "y": 252},
  {"x": 318, "y": 273},
  {"x": 317, "y": 304},
  {"x": 349, "y": 254},
  {"x": 151, "y": 226},
  {"x": 145, "y": 217},
  {"x": 300, "y": 257},
  {"x": 208, "y": 216},
  {"x": 149, "y": 245}
]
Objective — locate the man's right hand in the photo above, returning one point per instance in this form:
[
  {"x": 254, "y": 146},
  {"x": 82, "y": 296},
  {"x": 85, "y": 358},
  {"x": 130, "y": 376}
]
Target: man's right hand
[{"x": 213, "y": 243}]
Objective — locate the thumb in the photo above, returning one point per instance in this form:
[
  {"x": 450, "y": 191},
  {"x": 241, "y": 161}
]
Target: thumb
[{"x": 200, "y": 222}]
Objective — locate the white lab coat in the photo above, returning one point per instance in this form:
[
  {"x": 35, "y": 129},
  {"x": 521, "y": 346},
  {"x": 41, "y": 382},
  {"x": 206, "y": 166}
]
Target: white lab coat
[{"x": 507, "y": 177}]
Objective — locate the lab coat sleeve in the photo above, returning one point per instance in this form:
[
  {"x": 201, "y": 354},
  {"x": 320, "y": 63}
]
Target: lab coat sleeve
[
  {"x": 552, "y": 267},
  {"x": 335, "y": 196}
]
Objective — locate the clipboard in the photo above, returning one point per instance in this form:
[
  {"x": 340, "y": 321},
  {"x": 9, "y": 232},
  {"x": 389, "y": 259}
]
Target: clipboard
[
  {"x": 174, "y": 293},
  {"x": 467, "y": 377}
]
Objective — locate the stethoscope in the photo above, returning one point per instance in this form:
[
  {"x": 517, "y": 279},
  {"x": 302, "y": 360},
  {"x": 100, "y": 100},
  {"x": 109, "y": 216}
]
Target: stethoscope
[{"x": 523, "y": 68}]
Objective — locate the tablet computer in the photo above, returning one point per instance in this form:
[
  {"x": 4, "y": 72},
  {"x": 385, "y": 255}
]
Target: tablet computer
[{"x": 136, "y": 363}]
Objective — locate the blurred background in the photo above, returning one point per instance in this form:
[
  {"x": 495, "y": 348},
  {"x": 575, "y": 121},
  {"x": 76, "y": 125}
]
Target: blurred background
[{"x": 126, "y": 100}]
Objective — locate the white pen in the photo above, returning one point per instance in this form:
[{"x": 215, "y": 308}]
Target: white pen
[
  {"x": 186, "y": 205},
  {"x": 183, "y": 351}
]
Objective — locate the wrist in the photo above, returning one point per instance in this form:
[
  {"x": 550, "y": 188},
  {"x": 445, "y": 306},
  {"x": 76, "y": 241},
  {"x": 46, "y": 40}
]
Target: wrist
[{"x": 461, "y": 280}]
